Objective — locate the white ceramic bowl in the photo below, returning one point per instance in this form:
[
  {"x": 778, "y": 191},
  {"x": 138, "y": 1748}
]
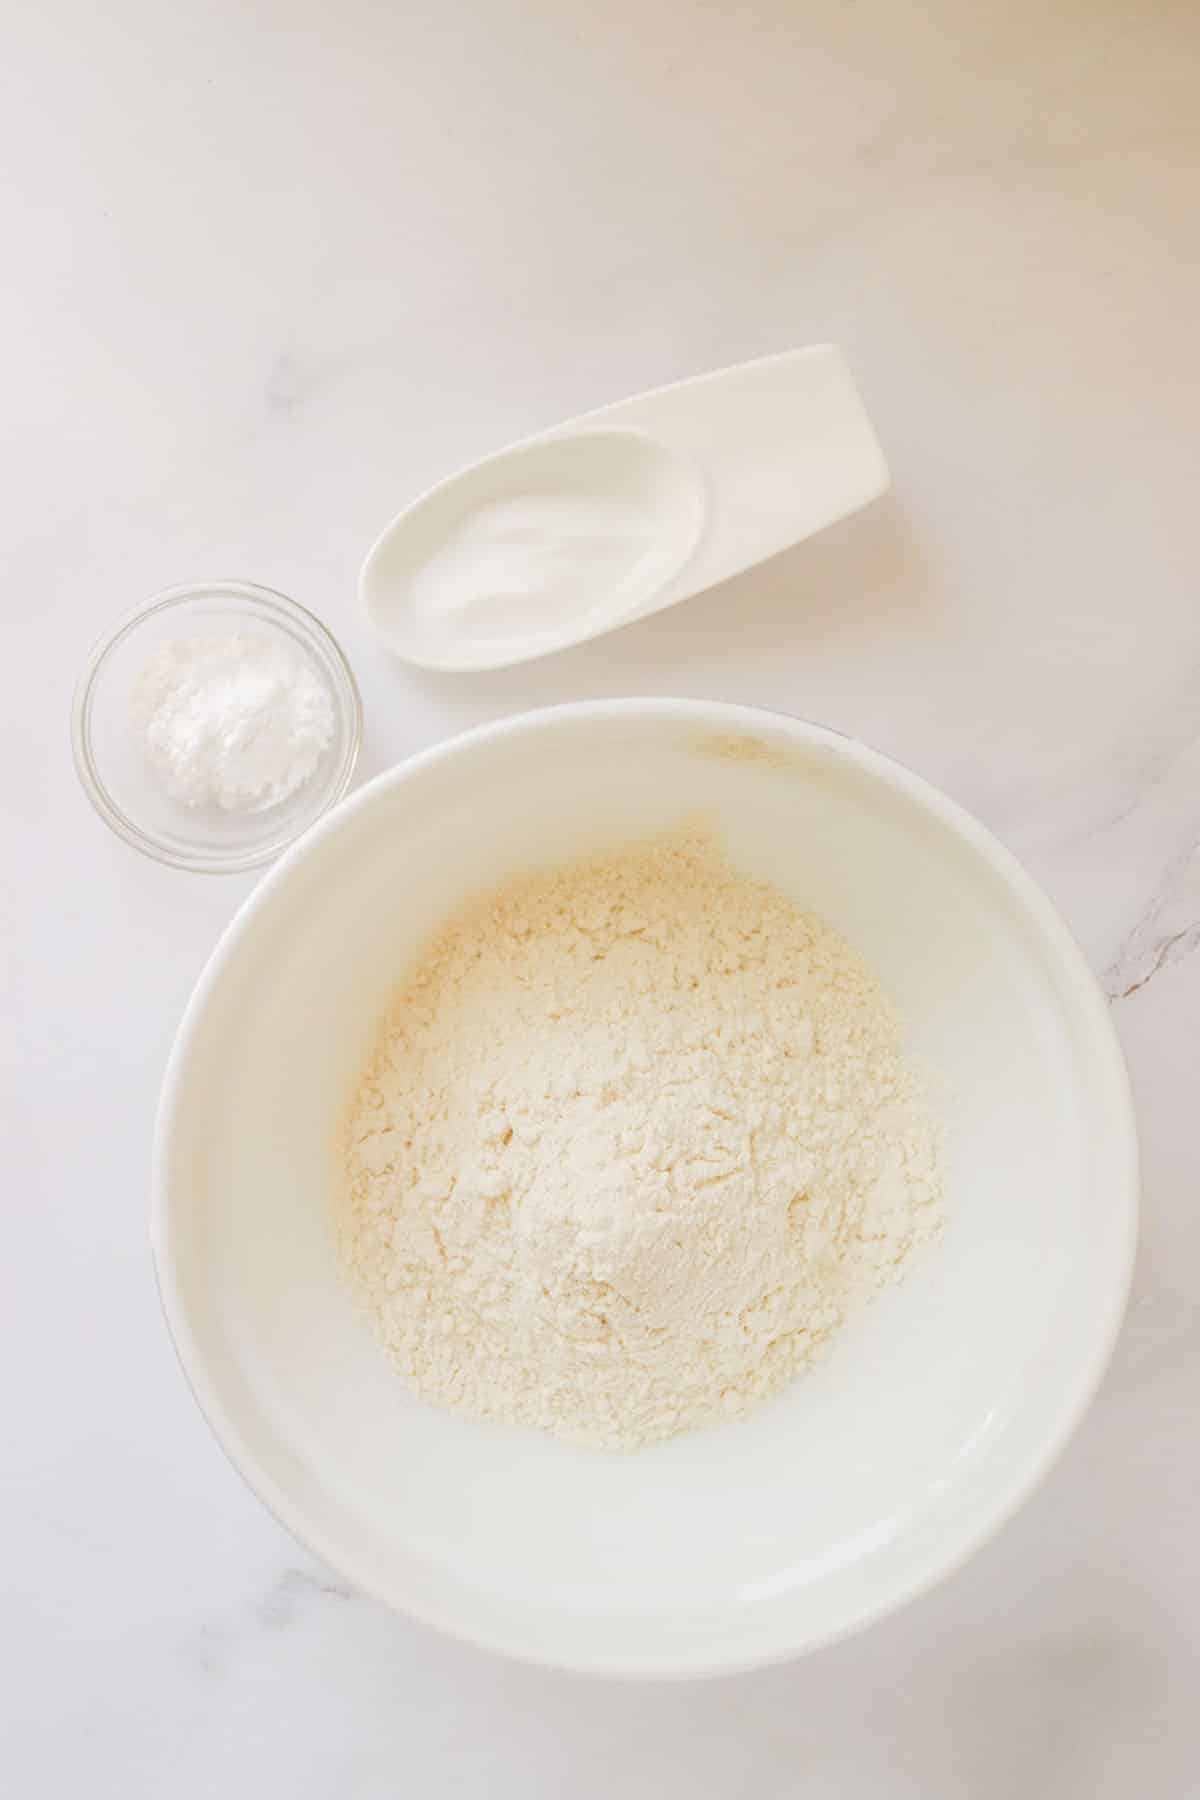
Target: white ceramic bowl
[{"x": 872, "y": 1476}]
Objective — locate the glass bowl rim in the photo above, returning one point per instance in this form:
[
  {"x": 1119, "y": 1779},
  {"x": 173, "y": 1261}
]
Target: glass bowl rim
[{"x": 279, "y": 610}]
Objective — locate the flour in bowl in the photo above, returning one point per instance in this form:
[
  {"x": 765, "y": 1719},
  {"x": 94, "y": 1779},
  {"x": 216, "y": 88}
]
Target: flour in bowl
[{"x": 638, "y": 1134}]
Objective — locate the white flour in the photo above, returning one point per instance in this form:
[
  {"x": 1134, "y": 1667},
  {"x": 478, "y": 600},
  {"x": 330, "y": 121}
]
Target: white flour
[
  {"x": 238, "y": 723},
  {"x": 637, "y": 1135}
]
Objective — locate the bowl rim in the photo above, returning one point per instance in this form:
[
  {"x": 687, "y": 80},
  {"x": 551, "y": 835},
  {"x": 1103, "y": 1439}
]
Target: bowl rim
[
  {"x": 283, "y": 613},
  {"x": 1094, "y": 1016}
]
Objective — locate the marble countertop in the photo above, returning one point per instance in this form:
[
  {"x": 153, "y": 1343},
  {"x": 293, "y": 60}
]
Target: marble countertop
[{"x": 272, "y": 269}]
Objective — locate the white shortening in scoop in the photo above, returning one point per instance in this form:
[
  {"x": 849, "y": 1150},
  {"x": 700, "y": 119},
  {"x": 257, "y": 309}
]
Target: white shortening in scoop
[{"x": 622, "y": 512}]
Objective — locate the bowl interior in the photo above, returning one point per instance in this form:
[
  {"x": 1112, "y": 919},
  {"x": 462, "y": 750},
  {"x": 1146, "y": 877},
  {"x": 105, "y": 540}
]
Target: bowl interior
[
  {"x": 934, "y": 1412},
  {"x": 496, "y": 535}
]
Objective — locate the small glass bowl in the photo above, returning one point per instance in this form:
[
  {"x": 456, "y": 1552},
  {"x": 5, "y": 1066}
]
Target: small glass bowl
[{"x": 123, "y": 788}]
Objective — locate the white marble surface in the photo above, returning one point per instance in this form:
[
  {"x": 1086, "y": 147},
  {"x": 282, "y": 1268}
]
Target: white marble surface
[{"x": 271, "y": 268}]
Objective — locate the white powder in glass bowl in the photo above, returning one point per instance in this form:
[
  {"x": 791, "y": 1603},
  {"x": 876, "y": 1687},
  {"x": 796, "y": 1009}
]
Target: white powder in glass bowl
[{"x": 235, "y": 722}]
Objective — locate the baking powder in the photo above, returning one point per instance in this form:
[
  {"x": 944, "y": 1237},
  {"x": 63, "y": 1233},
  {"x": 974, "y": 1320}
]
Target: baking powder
[{"x": 236, "y": 723}]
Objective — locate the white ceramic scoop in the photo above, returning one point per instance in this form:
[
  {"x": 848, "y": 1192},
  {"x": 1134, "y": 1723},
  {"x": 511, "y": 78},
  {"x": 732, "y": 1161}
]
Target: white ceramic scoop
[{"x": 622, "y": 512}]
